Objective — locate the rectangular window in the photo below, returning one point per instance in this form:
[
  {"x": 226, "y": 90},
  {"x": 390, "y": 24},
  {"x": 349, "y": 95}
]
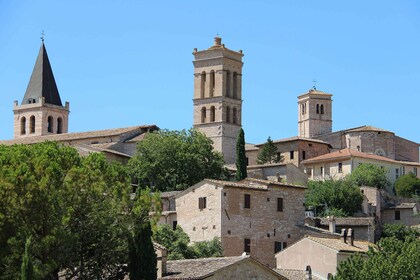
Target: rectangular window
[
  {"x": 247, "y": 245},
  {"x": 278, "y": 156},
  {"x": 397, "y": 215},
  {"x": 202, "y": 202},
  {"x": 303, "y": 155},
  {"x": 322, "y": 170},
  {"x": 292, "y": 154},
  {"x": 247, "y": 200},
  {"x": 340, "y": 167},
  {"x": 278, "y": 246},
  {"x": 402, "y": 170},
  {"x": 279, "y": 204},
  {"x": 397, "y": 172},
  {"x": 174, "y": 224},
  {"x": 247, "y": 161},
  {"x": 415, "y": 171}
]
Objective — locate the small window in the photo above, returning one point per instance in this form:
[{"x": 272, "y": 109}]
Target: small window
[
  {"x": 415, "y": 171},
  {"x": 322, "y": 109},
  {"x": 279, "y": 204},
  {"x": 279, "y": 246},
  {"x": 235, "y": 115},
  {"x": 212, "y": 83},
  {"x": 292, "y": 154},
  {"x": 317, "y": 108},
  {"x": 310, "y": 144},
  {"x": 202, "y": 202},
  {"x": 203, "y": 115},
  {"x": 32, "y": 124},
  {"x": 322, "y": 170},
  {"x": 303, "y": 155},
  {"x": 402, "y": 170},
  {"x": 228, "y": 114},
  {"x": 358, "y": 148},
  {"x": 212, "y": 114},
  {"x": 59, "y": 125},
  {"x": 340, "y": 167},
  {"x": 278, "y": 156},
  {"x": 247, "y": 245},
  {"x": 247, "y": 161},
  {"x": 23, "y": 126},
  {"x": 397, "y": 215},
  {"x": 174, "y": 224},
  {"x": 50, "y": 124},
  {"x": 247, "y": 200}
]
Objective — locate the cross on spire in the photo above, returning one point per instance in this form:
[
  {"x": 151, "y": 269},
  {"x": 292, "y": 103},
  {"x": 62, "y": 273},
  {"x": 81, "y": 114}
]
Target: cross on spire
[
  {"x": 42, "y": 36},
  {"x": 314, "y": 86}
]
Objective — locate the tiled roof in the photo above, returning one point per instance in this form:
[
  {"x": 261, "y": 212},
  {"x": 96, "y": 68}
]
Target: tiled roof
[
  {"x": 366, "y": 128},
  {"x": 346, "y": 154},
  {"x": 340, "y": 246},
  {"x": 292, "y": 274},
  {"x": 77, "y": 135},
  {"x": 169, "y": 194},
  {"x": 349, "y": 221},
  {"x": 296, "y": 138},
  {"x": 315, "y": 91},
  {"x": 159, "y": 246},
  {"x": 87, "y": 149},
  {"x": 404, "y": 205},
  {"x": 252, "y": 183}
]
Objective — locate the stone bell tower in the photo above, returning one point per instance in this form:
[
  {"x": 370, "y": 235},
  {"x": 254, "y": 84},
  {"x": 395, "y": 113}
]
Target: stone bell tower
[
  {"x": 41, "y": 111},
  {"x": 218, "y": 96}
]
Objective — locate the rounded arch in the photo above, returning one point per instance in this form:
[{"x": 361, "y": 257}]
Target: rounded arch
[
  {"x": 59, "y": 125},
  {"x": 50, "y": 122},
  {"x": 203, "y": 115},
  {"x": 212, "y": 114},
  {"x": 317, "y": 108},
  {"x": 23, "y": 126},
  {"x": 32, "y": 124},
  {"x": 322, "y": 109}
]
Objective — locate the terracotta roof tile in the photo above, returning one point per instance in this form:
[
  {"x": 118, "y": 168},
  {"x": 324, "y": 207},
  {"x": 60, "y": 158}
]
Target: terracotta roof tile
[
  {"x": 292, "y": 274},
  {"x": 350, "y": 221},
  {"x": 340, "y": 246},
  {"x": 296, "y": 138}
]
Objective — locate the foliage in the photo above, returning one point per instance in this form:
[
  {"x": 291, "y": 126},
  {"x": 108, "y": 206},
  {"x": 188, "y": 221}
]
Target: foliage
[
  {"x": 176, "y": 241},
  {"x": 393, "y": 260},
  {"x": 71, "y": 207},
  {"x": 367, "y": 174},
  {"x": 27, "y": 270},
  {"x": 269, "y": 153},
  {"x": 174, "y": 160},
  {"x": 338, "y": 198},
  {"x": 241, "y": 172},
  {"x": 407, "y": 185},
  {"x": 400, "y": 232}
]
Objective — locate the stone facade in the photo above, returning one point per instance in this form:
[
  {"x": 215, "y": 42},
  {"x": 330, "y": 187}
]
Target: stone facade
[
  {"x": 403, "y": 213},
  {"x": 259, "y": 227},
  {"x": 218, "y": 96}
]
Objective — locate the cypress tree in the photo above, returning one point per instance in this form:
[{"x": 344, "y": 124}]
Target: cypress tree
[
  {"x": 241, "y": 172},
  {"x": 269, "y": 153},
  {"x": 27, "y": 269}
]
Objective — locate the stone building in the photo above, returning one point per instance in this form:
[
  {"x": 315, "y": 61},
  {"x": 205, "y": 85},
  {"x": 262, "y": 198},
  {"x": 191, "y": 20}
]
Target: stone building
[
  {"x": 254, "y": 216},
  {"x": 218, "y": 96}
]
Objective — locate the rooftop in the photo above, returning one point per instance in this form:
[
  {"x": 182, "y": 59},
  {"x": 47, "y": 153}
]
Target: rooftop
[
  {"x": 292, "y": 274},
  {"x": 296, "y": 138},
  {"x": 349, "y": 221},
  {"x": 340, "y": 246}
]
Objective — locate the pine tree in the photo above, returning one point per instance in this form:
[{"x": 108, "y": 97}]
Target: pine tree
[
  {"x": 241, "y": 157},
  {"x": 27, "y": 270},
  {"x": 269, "y": 153}
]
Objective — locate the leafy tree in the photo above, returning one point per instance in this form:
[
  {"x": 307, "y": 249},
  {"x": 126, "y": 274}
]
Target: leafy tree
[
  {"x": 176, "y": 241},
  {"x": 241, "y": 172},
  {"x": 407, "y": 185},
  {"x": 269, "y": 153},
  {"x": 174, "y": 160},
  {"x": 334, "y": 197},
  {"x": 367, "y": 174},
  {"x": 400, "y": 232},
  {"x": 71, "y": 206},
  {"x": 27, "y": 266},
  {"x": 393, "y": 260}
]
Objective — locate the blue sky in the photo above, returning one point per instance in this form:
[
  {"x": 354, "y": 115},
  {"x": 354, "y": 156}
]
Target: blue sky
[{"x": 124, "y": 63}]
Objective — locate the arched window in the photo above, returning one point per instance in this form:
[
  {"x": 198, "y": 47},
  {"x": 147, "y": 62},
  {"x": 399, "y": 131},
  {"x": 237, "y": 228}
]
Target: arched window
[
  {"x": 32, "y": 124},
  {"x": 50, "y": 124},
  {"x": 317, "y": 108},
  {"x": 235, "y": 85},
  {"x": 59, "y": 125},
  {"x": 212, "y": 82},
  {"x": 235, "y": 116},
  {"x": 228, "y": 114},
  {"x": 23, "y": 126},
  {"x": 203, "y": 115},
  {"x": 212, "y": 114},
  {"x": 302, "y": 109},
  {"x": 203, "y": 84},
  {"x": 322, "y": 109},
  {"x": 228, "y": 77}
]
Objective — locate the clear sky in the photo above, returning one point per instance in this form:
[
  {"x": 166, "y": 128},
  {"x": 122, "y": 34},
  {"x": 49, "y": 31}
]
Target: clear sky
[{"x": 125, "y": 63}]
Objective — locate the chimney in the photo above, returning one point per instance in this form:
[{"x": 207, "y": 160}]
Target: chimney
[
  {"x": 308, "y": 275},
  {"x": 217, "y": 41},
  {"x": 350, "y": 235},
  {"x": 343, "y": 235},
  {"x": 331, "y": 224}
]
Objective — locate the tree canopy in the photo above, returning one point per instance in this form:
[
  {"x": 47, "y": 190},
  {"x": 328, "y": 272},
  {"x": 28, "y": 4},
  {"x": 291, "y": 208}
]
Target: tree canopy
[
  {"x": 407, "y": 185},
  {"x": 241, "y": 172},
  {"x": 400, "y": 232},
  {"x": 269, "y": 153},
  {"x": 174, "y": 160},
  {"x": 367, "y": 174},
  {"x": 71, "y": 207},
  {"x": 334, "y": 197}
]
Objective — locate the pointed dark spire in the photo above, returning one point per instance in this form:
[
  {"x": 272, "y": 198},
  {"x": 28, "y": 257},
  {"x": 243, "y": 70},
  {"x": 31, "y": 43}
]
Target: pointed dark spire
[{"x": 42, "y": 82}]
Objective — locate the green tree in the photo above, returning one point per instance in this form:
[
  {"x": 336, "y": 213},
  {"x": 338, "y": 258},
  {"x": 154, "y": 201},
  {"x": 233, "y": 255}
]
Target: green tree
[
  {"x": 407, "y": 185},
  {"x": 400, "y": 232},
  {"x": 392, "y": 260},
  {"x": 241, "y": 172},
  {"x": 174, "y": 160},
  {"x": 367, "y": 174},
  {"x": 334, "y": 197},
  {"x": 27, "y": 270},
  {"x": 208, "y": 249},
  {"x": 269, "y": 153}
]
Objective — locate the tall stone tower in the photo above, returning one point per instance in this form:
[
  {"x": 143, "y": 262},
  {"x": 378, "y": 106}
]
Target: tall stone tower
[
  {"x": 41, "y": 111},
  {"x": 314, "y": 113},
  {"x": 218, "y": 96}
]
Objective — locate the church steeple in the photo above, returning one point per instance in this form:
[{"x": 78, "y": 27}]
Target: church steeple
[
  {"x": 42, "y": 82},
  {"x": 41, "y": 111}
]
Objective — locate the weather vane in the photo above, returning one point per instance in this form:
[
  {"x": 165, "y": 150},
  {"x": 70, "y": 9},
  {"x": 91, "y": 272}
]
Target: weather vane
[
  {"x": 42, "y": 36},
  {"x": 314, "y": 81}
]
